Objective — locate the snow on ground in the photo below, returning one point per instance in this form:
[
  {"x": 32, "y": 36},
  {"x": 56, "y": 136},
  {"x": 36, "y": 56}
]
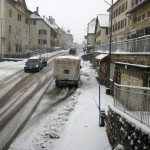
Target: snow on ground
[
  {"x": 9, "y": 67},
  {"x": 74, "y": 124}
]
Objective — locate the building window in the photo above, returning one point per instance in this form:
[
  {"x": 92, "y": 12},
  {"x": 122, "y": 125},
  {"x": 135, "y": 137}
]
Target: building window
[
  {"x": 119, "y": 25},
  {"x": 113, "y": 28},
  {"x": 43, "y": 32},
  {"x": 66, "y": 71},
  {"x": 39, "y": 41},
  {"x": 143, "y": 16},
  {"x": 139, "y": 18},
  {"x": 106, "y": 31},
  {"x": 26, "y": 21},
  {"x": 116, "y": 27},
  {"x": 9, "y": 28},
  {"x": 119, "y": 10},
  {"x": 19, "y": 17},
  {"x": 123, "y": 7},
  {"x": 114, "y": 14},
  {"x": 136, "y": 2},
  {"x": 149, "y": 14},
  {"x": 10, "y": 13},
  {"x": 9, "y": 46},
  {"x": 126, "y": 5},
  {"x": 122, "y": 24},
  {"x": 44, "y": 41},
  {"x": 125, "y": 22},
  {"x": 34, "y": 22}
]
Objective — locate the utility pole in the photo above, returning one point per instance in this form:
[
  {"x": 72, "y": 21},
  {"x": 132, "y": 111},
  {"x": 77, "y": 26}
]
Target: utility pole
[
  {"x": 110, "y": 40},
  {"x": 110, "y": 45},
  {"x": 0, "y": 30}
]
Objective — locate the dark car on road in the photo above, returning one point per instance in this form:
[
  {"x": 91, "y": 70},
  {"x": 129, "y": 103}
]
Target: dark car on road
[
  {"x": 73, "y": 51},
  {"x": 33, "y": 64}
]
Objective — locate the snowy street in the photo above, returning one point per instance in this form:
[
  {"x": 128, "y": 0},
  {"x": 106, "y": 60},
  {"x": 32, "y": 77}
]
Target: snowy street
[{"x": 73, "y": 124}]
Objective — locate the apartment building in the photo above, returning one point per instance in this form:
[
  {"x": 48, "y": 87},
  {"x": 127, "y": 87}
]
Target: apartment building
[
  {"x": 42, "y": 35},
  {"x": 101, "y": 29},
  {"x": 119, "y": 20},
  {"x": 46, "y": 34},
  {"x": 14, "y": 27},
  {"x": 91, "y": 32},
  {"x": 139, "y": 18}
]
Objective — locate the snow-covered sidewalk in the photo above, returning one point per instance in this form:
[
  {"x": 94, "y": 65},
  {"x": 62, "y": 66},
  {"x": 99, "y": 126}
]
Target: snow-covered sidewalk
[
  {"x": 82, "y": 131},
  {"x": 74, "y": 125}
]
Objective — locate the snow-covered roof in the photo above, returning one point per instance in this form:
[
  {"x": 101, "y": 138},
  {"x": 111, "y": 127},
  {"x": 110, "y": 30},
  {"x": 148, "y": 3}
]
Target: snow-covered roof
[
  {"x": 101, "y": 56},
  {"x": 137, "y": 6},
  {"x": 68, "y": 57},
  {"x": 35, "y": 16},
  {"x": 91, "y": 26},
  {"x": 46, "y": 20},
  {"x": 103, "y": 20},
  {"x": 34, "y": 57}
]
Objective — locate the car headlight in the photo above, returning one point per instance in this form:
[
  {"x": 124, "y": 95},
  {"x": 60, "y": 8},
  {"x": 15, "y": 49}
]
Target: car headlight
[{"x": 36, "y": 66}]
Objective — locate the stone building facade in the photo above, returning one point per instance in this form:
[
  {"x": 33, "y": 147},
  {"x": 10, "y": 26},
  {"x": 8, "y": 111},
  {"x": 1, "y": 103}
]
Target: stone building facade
[
  {"x": 139, "y": 18},
  {"x": 101, "y": 29},
  {"x": 14, "y": 27},
  {"x": 91, "y": 32},
  {"x": 119, "y": 20}
]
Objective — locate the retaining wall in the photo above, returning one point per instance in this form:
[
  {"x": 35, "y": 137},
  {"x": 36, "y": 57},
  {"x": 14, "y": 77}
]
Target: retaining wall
[{"x": 121, "y": 131}]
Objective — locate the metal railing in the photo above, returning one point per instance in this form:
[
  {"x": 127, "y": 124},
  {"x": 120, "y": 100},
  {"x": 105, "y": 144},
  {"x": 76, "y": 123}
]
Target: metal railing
[
  {"x": 134, "y": 101},
  {"x": 141, "y": 44}
]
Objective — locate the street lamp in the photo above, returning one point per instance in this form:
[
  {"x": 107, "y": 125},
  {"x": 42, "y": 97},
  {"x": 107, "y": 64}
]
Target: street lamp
[
  {"x": 110, "y": 40},
  {"x": 0, "y": 30}
]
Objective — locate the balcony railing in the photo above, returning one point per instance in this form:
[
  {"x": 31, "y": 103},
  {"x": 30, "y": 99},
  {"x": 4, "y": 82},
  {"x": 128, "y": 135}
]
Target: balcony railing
[
  {"x": 134, "y": 101},
  {"x": 141, "y": 44}
]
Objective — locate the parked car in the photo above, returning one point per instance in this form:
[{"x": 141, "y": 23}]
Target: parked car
[{"x": 33, "y": 64}]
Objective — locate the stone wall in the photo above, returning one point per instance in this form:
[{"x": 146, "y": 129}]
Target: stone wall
[{"x": 120, "y": 131}]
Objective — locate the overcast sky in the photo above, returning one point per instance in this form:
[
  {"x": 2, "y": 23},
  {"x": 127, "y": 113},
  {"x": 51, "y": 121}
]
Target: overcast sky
[{"x": 71, "y": 14}]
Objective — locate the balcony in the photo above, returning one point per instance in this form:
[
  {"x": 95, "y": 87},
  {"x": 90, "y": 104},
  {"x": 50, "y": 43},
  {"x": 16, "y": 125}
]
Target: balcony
[{"x": 139, "y": 25}]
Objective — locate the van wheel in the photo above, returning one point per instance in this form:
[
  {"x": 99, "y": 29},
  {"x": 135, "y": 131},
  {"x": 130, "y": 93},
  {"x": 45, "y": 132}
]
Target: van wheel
[
  {"x": 38, "y": 69},
  {"x": 57, "y": 83}
]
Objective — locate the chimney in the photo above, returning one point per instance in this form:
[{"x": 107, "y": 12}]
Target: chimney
[
  {"x": 37, "y": 10},
  {"x": 50, "y": 17}
]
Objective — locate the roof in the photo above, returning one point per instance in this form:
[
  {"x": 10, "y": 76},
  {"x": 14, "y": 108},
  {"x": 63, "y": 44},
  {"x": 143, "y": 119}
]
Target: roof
[
  {"x": 103, "y": 20},
  {"x": 137, "y": 6},
  {"x": 91, "y": 26},
  {"x": 101, "y": 56},
  {"x": 68, "y": 57},
  {"x": 34, "y": 57},
  {"x": 35, "y": 16}
]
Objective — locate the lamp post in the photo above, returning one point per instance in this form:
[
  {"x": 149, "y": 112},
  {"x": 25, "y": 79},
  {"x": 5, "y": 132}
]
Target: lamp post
[
  {"x": 110, "y": 40},
  {"x": 0, "y": 30},
  {"x": 110, "y": 44}
]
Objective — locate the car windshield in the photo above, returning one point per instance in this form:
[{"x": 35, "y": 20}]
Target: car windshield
[{"x": 32, "y": 61}]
